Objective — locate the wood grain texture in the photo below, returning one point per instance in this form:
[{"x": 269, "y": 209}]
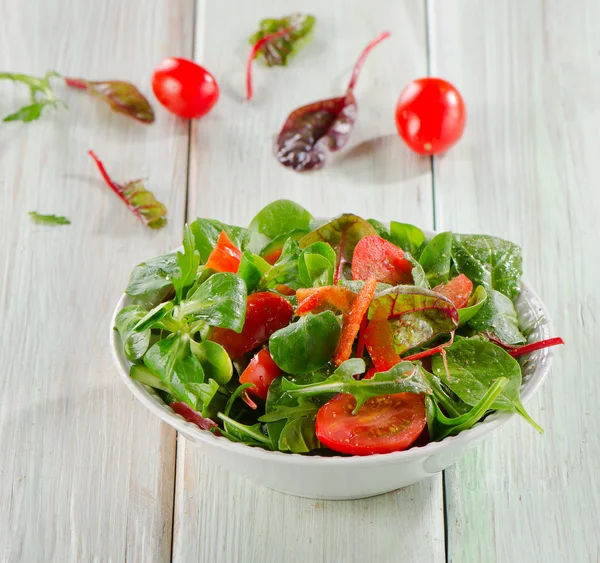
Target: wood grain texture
[
  {"x": 86, "y": 473},
  {"x": 220, "y": 517},
  {"x": 527, "y": 169}
]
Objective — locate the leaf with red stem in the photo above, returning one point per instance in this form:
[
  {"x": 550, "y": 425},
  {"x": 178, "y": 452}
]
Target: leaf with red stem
[
  {"x": 516, "y": 351},
  {"x": 277, "y": 41},
  {"x": 312, "y": 132},
  {"x": 141, "y": 201},
  {"x": 122, "y": 97}
]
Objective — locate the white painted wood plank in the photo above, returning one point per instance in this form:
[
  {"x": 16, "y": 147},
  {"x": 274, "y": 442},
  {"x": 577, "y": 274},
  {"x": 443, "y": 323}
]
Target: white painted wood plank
[
  {"x": 220, "y": 517},
  {"x": 86, "y": 473},
  {"x": 527, "y": 170}
]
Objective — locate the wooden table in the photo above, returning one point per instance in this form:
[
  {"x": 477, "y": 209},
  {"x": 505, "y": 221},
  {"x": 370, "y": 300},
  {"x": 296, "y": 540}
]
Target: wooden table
[{"x": 86, "y": 473}]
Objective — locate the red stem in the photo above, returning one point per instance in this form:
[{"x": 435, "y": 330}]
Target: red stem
[
  {"x": 430, "y": 352},
  {"x": 516, "y": 351},
  {"x": 255, "y": 49},
  {"x": 361, "y": 60},
  {"x": 112, "y": 185},
  {"x": 76, "y": 83}
]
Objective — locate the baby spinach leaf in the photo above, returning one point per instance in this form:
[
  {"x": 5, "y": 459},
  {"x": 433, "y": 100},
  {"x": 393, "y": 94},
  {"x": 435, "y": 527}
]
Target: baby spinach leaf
[
  {"x": 316, "y": 265},
  {"x": 244, "y": 433},
  {"x": 215, "y": 361},
  {"x": 312, "y": 132},
  {"x": 440, "y": 426},
  {"x": 280, "y": 217},
  {"x": 151, "y": 280},
  {"x": 251, "y": 270},
  {"x": 380, "y": 228},
  {"x": 173, "y": 362},
  {"x": 416, "y": 315},
  {"x": 206, "y": 233},
  {"x": 407, "y": 237},
  {"x": 277, "y": 51},
  {"x": 135, "y": 343},
  {"x": 188, "y": 262},
  {"x": 219, "y": 301},
  {"x": 444, "y": 397},
  {"x": 489, "y": 261},
  {"x": 342, "y": 234},
  {"x": 285, "y": 270},
  {"x": 306, "y": 345},
  {"x": 474, "y": 365},
  {"x": 497, "y": 316},
  {"x": 436, "y": 257},
  {"x": 475, "y": 303},
  {"x": 404, "y": 377}
]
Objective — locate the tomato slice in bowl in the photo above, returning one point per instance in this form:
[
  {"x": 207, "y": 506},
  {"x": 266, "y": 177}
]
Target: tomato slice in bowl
[
  {"x": 458, "y": 290},
  {"x": 266, "y": 313},
  {"x": 375, "y": 257},
  {"x": 225, "y": 256},
  {"x": 261, "y": 371},
  {"x": 384, "y": 424}
]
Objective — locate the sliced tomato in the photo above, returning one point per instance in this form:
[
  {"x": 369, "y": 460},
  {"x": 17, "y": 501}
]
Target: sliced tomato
[
  {"x": 327, "y": 298},
  {"x": 458, "y": 290},
  {"x": 273, "y": 256},
  {"x": 375, "y": 257},
  {"x": 265, "y": 313},
  {"x": 261, "y": 371},
  {"x": 379, "y": 340},
  {"x": 384, "y": 424},
  {"x": 225, "y": 256},
  {"x": 352, "y": 321}
]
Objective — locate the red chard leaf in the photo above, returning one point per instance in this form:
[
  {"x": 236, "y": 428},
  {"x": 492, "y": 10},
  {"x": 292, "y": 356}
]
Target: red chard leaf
[
  {"x": 122, "y": 97},
  {"x": 141, "y": 201},
  {"x": 312, "y": 132}
]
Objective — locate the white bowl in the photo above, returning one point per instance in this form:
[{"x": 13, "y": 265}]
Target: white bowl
[{"x": 347, "y": 477}]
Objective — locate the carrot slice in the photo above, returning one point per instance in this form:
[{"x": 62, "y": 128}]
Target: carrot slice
[
  {"x": 327, "y": 298},
  {"x": 352, "y": 320},
  {"x": 379, "y": 340}
]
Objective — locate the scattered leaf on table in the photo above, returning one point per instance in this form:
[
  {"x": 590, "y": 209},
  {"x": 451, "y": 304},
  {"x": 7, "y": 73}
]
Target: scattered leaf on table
[
  {"x": 40, "y": 92},
  {"x": 48, "y": 219}
]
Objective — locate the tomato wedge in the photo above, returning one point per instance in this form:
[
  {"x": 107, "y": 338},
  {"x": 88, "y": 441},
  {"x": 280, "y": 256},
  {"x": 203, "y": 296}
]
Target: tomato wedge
[
  {"x": 389, "y": 423},
  {"x": 265, "y": 313},
  {"x": 458, "y": 290},
  {"x": 261, "y": 371},
  {"x": 379, "y": 340},
  {"x": 352, "y": 321},
  {"x": 225, "y": 256},
  {"x": 327, "y": 298},
  {"x": 375, "y": 257}
]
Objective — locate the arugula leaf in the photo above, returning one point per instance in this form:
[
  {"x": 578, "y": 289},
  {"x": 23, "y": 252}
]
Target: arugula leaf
[
  {"x": 307, "y": 344},
  {"x": 408, "y": 237},
  {"x": 404, "y": 377},
  {"x": 151, "y": 280},
  {"x": 135, "y": 343},
  {"x": 219, "y": 301},
  {"x": 440, "y": 426},
  {"x": 188, "y": 264},
  {"x": 489, "y": 261},
  {"x": 278, "y": 50},
  {"x": 173, "y": 362},
  {"x": 416, "y": 315},
  {"x": 316, "y": 265},
  {"x": 285, "y": 270},
  {"x": 123, "y": 97},
  {"x": 436, "y": 257},
  {"x": 249, "y": 435},
  {"x": 251, "y": 270},
  {"x": 342, "y": 234},
  {"x": 474, "y": 365},
  {"x": 474, "y": 304},
  {"x": 279, "y": 218},
  {"x": 48, "y": 219},
  {"x": 206, "y": 233},
  {"x": 497, "y": 316},
  {"x": 41, "y": 94}
]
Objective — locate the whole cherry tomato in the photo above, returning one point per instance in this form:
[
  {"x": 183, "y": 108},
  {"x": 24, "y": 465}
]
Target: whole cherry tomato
[
  {"x": 430, "y": 115},
  {"x": 184, "y": 88}
]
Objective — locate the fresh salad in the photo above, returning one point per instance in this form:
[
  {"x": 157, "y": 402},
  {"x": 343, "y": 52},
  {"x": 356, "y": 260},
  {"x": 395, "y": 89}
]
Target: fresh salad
[{"x": 347, "y": 336}]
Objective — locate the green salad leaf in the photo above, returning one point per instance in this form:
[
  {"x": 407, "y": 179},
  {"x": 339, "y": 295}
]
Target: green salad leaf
[
  {"x": 307, "y": 344},
  {"x": 316, "y": 265},
  {"x": 48, "y": 219},
  {"x": 270, "y": 252},
  {"x": 380, "y": 229},
  {"x": 436, "y": 257},
  {"x": 135, "y": 343},
  {"x": 474, "y": 304},
  {"x": 249, "y": 435},
  {"x": 157, "y": 318},
  {"x": 489, "y": 261},
  {"x": 497, "y": 316},
  {"x": 188, "y": 263},
  {"x": 280, "y": 218},
  {"x": 285, "y": 270},
  {"x": 152, "y": 280},
  {"x": 252, "y": 269},
  {"x": 474, "y": 365},
  {"x": 215, "y": 361},
  {"x": 407, "y": 237},
  {"x": 206, "y": 233}
]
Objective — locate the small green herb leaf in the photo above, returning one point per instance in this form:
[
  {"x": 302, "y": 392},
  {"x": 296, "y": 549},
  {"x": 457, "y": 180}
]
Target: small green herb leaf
[
  {"x": 475, "y": 303},
  {"x": 497, "y": 316},
  {"x": 135, "y": 343},
  {"x": 436, "y": 257},
  {"x": 48, "y": 219},
  {"x": 251, "y": 270},
  {"x": 206, "y": 233},
  {"x": 316, "y": 265},
  {"x": 41, "y": 94},
  {"x": 407, "y": 237},
  {"x": 249, "y": 435},
  {"x": 279, "y": 218},
  {"x": 152, "y": 280},
  {"x": 188, "y": 264}
]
